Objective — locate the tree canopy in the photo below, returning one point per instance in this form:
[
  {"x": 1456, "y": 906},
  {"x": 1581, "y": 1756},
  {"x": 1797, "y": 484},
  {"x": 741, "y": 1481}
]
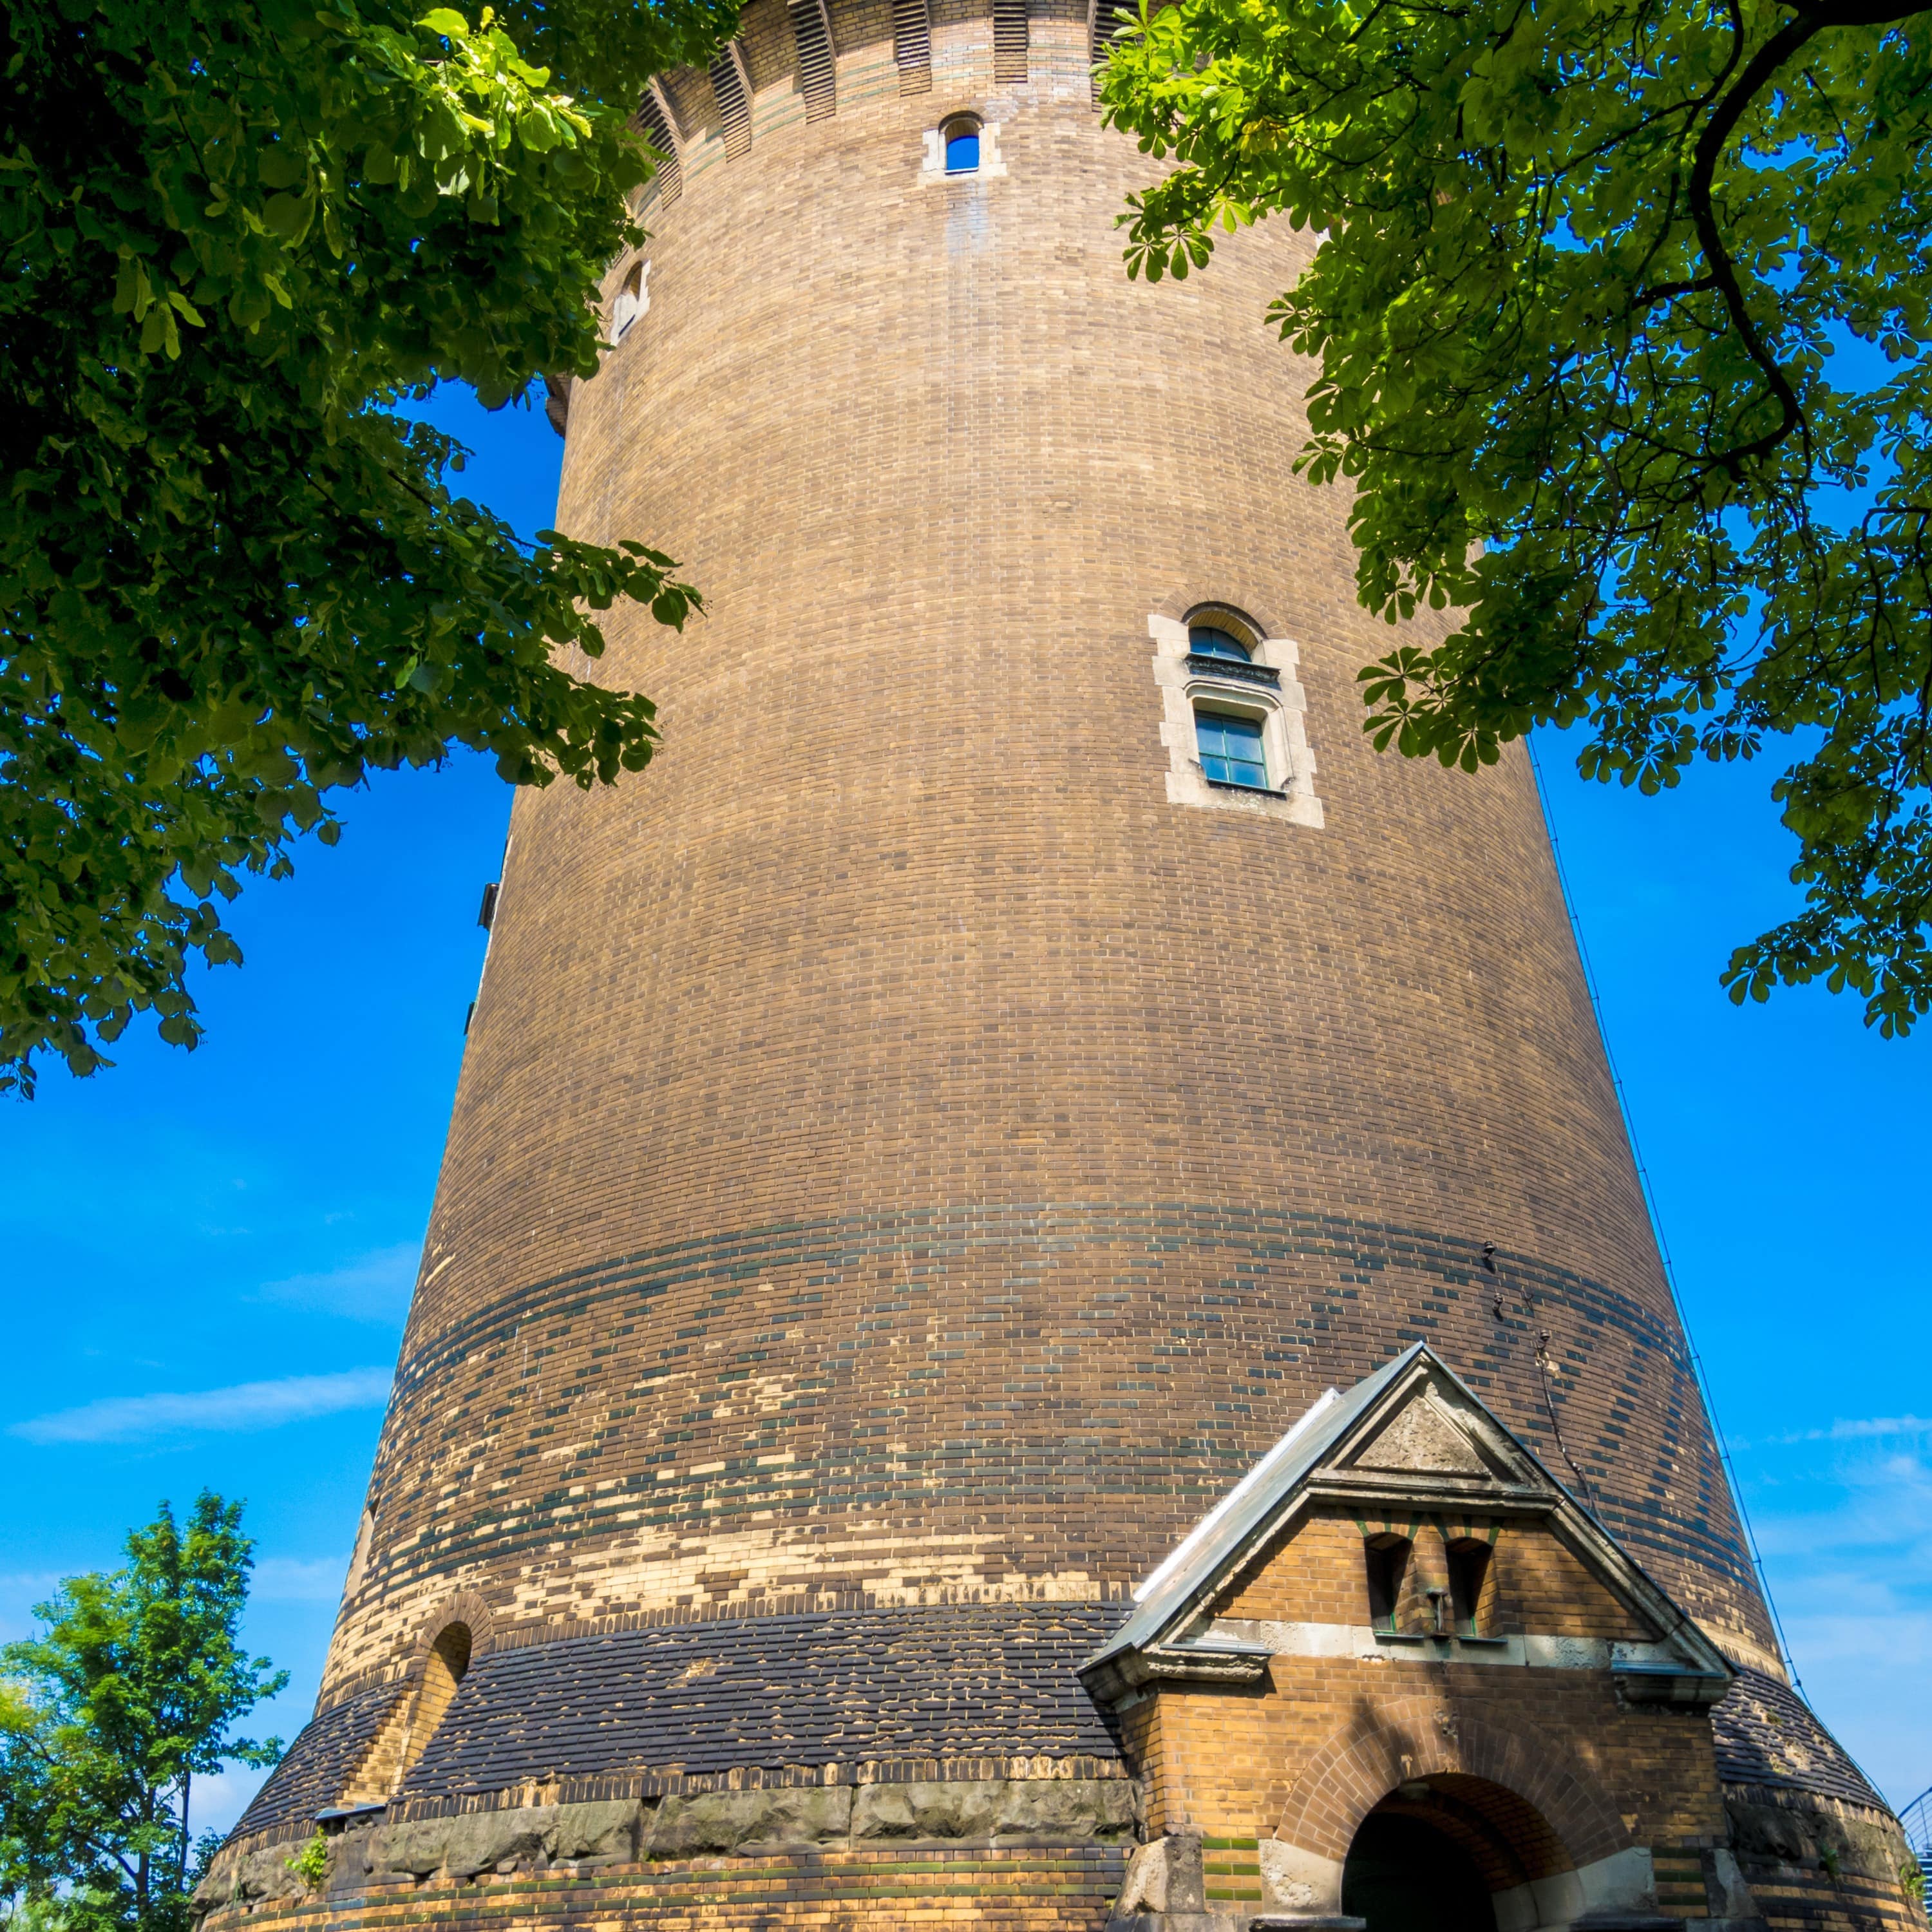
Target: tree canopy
[
  {"x": 107, "y": 1718},
  {"x": 1620, "y": 308},
  {"x": 238, "y": 233}
]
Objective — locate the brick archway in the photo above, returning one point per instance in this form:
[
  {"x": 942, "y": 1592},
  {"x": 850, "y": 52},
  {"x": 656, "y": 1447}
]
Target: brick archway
[
  {"x": 464, "y": 1607},
  {"x": 1403, "y": 1739}
]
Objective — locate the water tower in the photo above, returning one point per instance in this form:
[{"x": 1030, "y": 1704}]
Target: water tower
[{"x": 929, "y": 1139}]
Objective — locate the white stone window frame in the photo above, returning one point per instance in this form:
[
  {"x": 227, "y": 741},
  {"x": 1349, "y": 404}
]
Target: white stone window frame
[
  {"x": 932, "y": 165},
  {"x": 1281, "y": 709},
  {"x": 628, "y": 310}
]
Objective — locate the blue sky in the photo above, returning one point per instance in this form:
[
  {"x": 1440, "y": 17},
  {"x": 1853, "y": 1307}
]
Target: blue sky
[{"x": 209, "y": 1254}]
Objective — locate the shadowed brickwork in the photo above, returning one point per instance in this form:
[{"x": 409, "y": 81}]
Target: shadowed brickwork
[
  {"x": 909, "y": 1161},
  {"x": 779, "y": 1693}
]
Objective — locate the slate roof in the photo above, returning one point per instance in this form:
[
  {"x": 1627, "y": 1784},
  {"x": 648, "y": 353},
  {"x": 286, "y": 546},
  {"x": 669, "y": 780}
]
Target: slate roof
[
  {"x": 1765, "y": 1734},
  {"x": 318, "y": 1765},
  {"x": 930, "y": 1682},
  {"x": 942, "y": 1682}
]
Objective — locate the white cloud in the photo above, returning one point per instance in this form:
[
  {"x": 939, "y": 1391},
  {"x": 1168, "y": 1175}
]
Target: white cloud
[
  {"x": 296, "y": 1579},
  {"x": 220, "y": 1798},
  {"x": 1862, "y": 1428},
  {"x": 372, "y": 1287},
  {"x": 246, "y": 1406},
  {"x": 1852, "y": 1580},
  {"x": 1886, "y": 1508}
]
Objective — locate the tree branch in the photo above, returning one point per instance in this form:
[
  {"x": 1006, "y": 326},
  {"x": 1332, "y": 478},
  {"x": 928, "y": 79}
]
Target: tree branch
[{"x": 1758, "y": 71}]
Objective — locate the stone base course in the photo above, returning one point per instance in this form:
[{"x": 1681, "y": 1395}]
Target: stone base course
[{"x": 1041, "y": 1889}]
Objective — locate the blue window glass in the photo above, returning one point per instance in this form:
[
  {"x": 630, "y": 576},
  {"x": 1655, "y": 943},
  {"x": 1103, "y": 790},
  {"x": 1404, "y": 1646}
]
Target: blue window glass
[
  {"x": 962, "y": 151},
  {"x": 1205, "y": 642},
  {"x": 1231, "y": 748}
]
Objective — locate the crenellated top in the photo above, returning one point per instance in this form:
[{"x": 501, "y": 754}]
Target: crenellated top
[
  {"x": 809, "y": 60},
  {"x": 796, "y": 61}
]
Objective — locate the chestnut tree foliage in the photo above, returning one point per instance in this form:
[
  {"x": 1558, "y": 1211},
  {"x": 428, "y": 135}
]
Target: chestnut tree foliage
[
  {"x": 237, "y": 234},
  {"x": 1620, "y": 309}
]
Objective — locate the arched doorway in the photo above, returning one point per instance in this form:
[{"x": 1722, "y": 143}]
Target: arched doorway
[{"x": 1434, "y": 1855}]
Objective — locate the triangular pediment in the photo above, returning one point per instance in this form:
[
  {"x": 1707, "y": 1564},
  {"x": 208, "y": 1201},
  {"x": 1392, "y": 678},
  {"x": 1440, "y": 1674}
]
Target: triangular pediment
[
  {"x": 1430, "y": 1442},
  {"x": 1421, "y": 1438},
  {"x": 1410, "y": 1442}
]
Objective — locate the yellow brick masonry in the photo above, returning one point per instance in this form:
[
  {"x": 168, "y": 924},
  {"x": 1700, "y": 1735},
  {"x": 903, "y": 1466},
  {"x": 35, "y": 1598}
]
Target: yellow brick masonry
[
  {"x": 901, "y": 1157},
  {"x": 1305, "y": 1755},
  {"x": 901, "y": 926},
  {"x": 1012, "y": 1890}
]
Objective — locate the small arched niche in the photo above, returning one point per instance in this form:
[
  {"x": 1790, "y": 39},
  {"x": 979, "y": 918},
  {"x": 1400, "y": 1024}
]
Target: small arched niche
[
  {"x": 1471, "y": 1585},
  {"x": 1386, "y": 1560},
  {"x": 444, "y": 1669},
  {"x": 1453, "y": 1853}
]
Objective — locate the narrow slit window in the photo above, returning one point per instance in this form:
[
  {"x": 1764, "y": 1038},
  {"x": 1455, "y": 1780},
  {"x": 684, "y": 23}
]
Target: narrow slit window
[
  {"x": 630, "y": 303},
  {"x": 1387, "y": 1564},
  {"x": 1231, "y": 749},
  {"x": 1469, "y": 1573}
]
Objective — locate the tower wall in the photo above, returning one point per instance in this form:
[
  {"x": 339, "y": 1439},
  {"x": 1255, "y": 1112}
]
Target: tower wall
[
  {"x": 900, "y": 1152},
  {"x": 919, "y": 1142}
]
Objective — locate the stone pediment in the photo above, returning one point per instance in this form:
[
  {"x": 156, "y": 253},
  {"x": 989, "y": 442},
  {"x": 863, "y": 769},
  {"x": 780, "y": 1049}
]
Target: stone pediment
[
  {"x": 1431, "y": 1442},
  {"x": 1410, "y": 1441},
  {"x": 1422, "y": 1440}
]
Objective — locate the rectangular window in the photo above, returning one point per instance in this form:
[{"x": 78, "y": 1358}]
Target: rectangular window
[
  {"x": 1468, "y": 1571},
  {"x": 1231, "y": 749},
  {"x": 1388, "y": 1559}
]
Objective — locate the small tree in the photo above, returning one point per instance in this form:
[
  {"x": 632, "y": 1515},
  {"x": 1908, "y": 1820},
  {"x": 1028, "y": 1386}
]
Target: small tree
[{"x": 107, "y": 1718}]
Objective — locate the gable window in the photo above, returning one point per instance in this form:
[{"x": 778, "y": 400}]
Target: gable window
[
  {"x": 961, "y": 136},
  {"x": 1387, "y": 1564},
  {"x": 1468, "y": 1573},
  {"x": 1231, "y": 748}
]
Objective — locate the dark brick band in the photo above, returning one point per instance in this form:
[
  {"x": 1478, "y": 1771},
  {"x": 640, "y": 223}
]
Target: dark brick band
[
  {"x": 635, "y": 1712},
  {"x": 1238, "y": 1301}
]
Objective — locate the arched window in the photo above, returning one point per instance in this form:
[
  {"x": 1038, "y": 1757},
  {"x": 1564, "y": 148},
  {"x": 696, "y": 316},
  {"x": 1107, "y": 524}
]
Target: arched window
[
  {"x": 443, "y": 1669},
  {"x": 1468, "y": 1575},
  {"x": 1212, "y": 641},
  {"x": 1388, "y": 1566},
  {"x": 960, "y": 137}
]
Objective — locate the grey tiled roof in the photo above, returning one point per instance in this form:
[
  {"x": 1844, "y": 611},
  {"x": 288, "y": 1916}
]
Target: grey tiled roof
[
  {"x": 318, "y": 1764},
  {"x": 948, "y": 1681},
  {"x": 934, "y": 1681},
  {"x": 1765, "y": 1734}
]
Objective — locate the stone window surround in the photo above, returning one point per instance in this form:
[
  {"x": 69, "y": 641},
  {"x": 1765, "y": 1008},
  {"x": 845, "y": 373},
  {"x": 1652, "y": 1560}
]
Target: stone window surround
[
  {"x": 932, "y": 165},
  {"x": 621, "y": 324},
  {"x": 1281, "y": 709}
]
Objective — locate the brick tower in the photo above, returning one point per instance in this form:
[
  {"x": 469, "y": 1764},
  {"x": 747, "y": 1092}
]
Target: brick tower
[{"x": 862, "y": 1452}]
